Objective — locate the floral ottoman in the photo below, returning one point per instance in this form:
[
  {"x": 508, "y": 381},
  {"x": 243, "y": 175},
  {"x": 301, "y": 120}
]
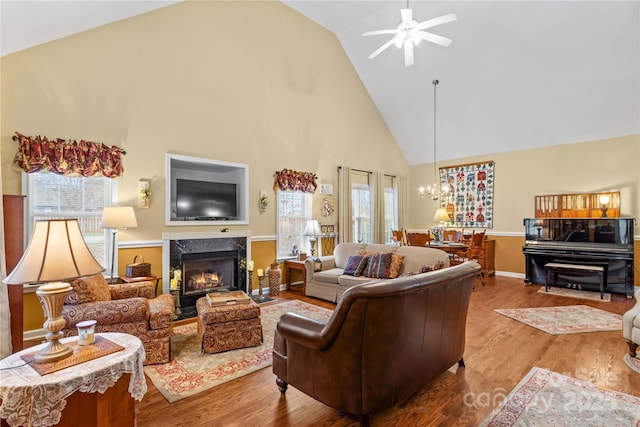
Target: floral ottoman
[{"x": 228, "y": 327}]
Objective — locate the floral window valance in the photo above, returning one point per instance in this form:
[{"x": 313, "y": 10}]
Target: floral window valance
[
  {"x": 288, "y": 179},
  {"x": 76, "y": 158}
]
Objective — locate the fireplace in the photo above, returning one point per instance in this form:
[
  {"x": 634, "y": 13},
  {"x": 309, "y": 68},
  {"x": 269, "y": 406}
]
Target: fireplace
[
  {"x": 208, "y": 272},
  {"x": 199, "y": 263}
]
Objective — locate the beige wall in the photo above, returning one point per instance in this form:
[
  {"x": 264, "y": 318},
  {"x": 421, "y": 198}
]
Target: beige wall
[
  {"x": 275, "y": 92},
  {"x": 607, "y": 164}
]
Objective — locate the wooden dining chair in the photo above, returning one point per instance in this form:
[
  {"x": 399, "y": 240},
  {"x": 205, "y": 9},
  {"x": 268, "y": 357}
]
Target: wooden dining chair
[
  {"x": 476, "y": 250},
  {"x": 418, "y": 239},
  {"x": 399, "y": 237}
]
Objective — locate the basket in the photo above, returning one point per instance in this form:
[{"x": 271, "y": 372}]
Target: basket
[{"x": 138, "y": 269}]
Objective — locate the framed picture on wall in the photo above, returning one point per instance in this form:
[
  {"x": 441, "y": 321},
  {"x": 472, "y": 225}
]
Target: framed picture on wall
[{"x": 326, "y": 189}]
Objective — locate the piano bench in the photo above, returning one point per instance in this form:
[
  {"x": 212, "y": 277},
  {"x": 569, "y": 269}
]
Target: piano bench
[{"x": 554, "y": 268}]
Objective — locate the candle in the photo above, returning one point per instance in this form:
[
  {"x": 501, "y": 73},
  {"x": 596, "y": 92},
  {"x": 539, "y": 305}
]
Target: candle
[
  {"x": 173, "y": 284},
  {"x": 177, "y": 274},
  {"x": 250, "y": 265},
  {"x": 260, "y": 272}
]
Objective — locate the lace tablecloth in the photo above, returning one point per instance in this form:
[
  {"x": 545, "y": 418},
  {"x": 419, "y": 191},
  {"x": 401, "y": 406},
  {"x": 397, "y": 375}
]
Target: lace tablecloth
[{"x": 32, "y": 400}]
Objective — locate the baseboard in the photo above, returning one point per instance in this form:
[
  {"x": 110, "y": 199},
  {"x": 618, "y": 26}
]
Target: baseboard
[
  {"x": 510, "y": 274},
  {"x": 34, "y": 334}
]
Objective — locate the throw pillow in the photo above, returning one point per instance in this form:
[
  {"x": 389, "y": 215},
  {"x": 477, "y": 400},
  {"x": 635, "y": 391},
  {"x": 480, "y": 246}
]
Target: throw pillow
[
  {"x": 88, "y": 289},
  {"x": 437, "y": 266},
  {"x": 379, "y": 266},
  {"x": 356, "y": 265},
  {"x": 396, "y": 263}
]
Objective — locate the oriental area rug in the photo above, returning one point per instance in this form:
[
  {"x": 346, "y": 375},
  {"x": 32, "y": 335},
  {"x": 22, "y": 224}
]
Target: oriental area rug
[
  {"x": 545, "y": 398},
  {"x": 632, "y": 362},
  {"x": 191, "y": 372},
  {"x": 572, "y": 319},
  {"x": 575, "y": 293}
]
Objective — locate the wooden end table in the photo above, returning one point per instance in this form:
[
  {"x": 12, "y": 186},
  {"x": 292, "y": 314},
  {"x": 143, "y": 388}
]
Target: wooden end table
[{"x": 296, "y": 265}]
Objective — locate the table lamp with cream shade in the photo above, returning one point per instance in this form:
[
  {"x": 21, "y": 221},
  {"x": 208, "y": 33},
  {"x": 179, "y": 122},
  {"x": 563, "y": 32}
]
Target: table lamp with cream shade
[
  {"x": 116, "y": 217},
  {"x": 312, "y": 230},
  {"x": 56, "y": 253}
]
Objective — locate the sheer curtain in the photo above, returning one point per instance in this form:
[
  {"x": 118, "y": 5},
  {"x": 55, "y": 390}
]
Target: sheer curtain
[
  {"x": 401, "y": 192},
  {"x": 5, "y": 318},
  {"x": 344, "y": 204}
]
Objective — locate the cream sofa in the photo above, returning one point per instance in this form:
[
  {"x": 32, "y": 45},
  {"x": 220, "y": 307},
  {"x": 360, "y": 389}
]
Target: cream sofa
[
  {"x": 631, "y": 326},
  {"x": 331, "y": 282}
]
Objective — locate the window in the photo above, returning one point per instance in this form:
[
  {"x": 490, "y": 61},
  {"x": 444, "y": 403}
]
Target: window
[
  {"x": 52, "y": 196},
  {"x": 361, "y": 213},
  {"x": 294, "y": 209}
]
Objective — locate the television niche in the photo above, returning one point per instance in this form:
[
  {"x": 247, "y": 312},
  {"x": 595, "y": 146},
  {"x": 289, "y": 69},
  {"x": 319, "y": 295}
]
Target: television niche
[
  {"x": 202, "y": 200},
  {"x": 205, "y": 192}
]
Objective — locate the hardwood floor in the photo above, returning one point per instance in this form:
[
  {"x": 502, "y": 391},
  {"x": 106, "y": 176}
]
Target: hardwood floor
[{"x": 499, "y": 352}]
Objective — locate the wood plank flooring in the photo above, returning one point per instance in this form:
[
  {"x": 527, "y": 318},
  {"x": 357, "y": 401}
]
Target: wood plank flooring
[{"x": 499, "y": 352}]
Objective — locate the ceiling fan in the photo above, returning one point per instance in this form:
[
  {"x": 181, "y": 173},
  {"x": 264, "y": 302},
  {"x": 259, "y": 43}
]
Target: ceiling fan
[{"x": 410, "y": 32}]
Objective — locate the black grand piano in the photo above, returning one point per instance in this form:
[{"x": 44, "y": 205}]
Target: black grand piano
[{"x": 592, "y": 241}]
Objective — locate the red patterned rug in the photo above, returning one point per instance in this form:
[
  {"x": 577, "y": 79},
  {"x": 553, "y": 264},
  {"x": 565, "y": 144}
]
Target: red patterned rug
[
  {"x": 190, "y": 371},
  {"x": 545, "y": 398},
  {"x": 632, "y": 362},
  {"x": 572, "y": 319}
]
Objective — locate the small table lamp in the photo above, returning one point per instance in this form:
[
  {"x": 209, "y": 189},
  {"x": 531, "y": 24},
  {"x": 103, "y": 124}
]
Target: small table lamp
[
  {"x": 57, "y": 252},
  {"x": 312, "y": 230},
  {"x": 115, "y": 217},
  {"x": 604, "y": 202}
]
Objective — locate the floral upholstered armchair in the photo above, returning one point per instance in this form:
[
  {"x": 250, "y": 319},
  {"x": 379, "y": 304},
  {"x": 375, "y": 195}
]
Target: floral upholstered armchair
[{"x": 130, "y": 308}]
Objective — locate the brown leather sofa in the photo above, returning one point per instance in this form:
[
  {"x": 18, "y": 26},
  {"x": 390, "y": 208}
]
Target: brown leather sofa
[{"x": 384, "y": 342}]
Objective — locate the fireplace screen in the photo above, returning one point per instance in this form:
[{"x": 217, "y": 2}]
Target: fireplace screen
[{"x": 208, "y": 273}]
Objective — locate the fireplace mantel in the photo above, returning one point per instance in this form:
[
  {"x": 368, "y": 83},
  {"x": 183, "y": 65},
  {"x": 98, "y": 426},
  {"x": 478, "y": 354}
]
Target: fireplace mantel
[{"x": 199, "y": 241}]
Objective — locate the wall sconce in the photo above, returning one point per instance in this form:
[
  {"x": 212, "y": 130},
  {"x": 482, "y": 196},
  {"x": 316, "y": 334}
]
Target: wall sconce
[
  {"x": 264, "y": 201},
  {"x": 604, "y": 202},
  {"x": 144, "y": 193}
]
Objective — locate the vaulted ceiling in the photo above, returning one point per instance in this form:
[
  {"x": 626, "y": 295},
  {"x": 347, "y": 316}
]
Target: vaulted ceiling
[{"x": 518, "y": 75}]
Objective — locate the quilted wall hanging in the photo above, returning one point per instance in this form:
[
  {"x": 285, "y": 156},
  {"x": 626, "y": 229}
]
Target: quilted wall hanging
[{"x": 469, "y": 196}]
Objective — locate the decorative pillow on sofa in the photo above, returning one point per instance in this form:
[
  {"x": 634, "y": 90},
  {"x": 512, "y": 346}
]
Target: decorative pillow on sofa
[
  {"x": 396, "y": 263},
  {"x": 379, "y": 266},
  {"x": 88, "y": 289},
  {"x": 356, "y": 265}
]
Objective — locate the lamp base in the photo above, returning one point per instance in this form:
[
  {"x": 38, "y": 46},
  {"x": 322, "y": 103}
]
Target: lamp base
[
  {"x": 52, "y": 297},
  {"x": 53, "y": 352}
]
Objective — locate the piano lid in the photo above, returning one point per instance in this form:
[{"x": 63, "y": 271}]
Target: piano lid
[{"x": 576, "y": 232}]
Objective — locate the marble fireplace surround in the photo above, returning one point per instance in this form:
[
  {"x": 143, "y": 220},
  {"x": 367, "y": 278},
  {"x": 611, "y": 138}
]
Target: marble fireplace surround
[{"x": 176, "y": 244}]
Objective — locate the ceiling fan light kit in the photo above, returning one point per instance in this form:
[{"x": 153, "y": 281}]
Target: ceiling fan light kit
[{"x": 410, "y": 32}]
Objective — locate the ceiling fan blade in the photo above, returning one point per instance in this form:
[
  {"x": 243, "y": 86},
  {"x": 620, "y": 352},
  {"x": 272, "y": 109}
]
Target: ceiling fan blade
[
  {"x": 408, "y": 53},
  {"x": 437, "y": 21},
  {"x": 381, "y": 48},
  {"x": 434, "y": 38},
  {"x": 407, "y": 15},
  {"x": 373, "y": 33}
]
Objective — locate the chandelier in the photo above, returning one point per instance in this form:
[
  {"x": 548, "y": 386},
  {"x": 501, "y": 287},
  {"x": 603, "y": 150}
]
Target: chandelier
[{"x": 433, "y": 191}]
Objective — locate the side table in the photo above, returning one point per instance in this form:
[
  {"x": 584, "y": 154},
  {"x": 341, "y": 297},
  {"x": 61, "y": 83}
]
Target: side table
[
  {"x": 155, "y": 279},
  {"x": 295, "y": 265},
  {"x": 93, "y": 393}
]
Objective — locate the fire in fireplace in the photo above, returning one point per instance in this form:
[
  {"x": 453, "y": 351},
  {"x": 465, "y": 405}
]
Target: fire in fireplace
[{"x": 208, "y": 272}]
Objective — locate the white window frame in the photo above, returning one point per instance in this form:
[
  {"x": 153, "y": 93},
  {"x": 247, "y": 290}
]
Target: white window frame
[
  {"x": 110, "y": 198},
  {"x": 285, "y": 250}
]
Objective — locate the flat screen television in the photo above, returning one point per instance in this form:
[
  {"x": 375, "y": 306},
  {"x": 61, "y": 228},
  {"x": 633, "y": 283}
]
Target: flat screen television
[{"x": 202, "y": 200}]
